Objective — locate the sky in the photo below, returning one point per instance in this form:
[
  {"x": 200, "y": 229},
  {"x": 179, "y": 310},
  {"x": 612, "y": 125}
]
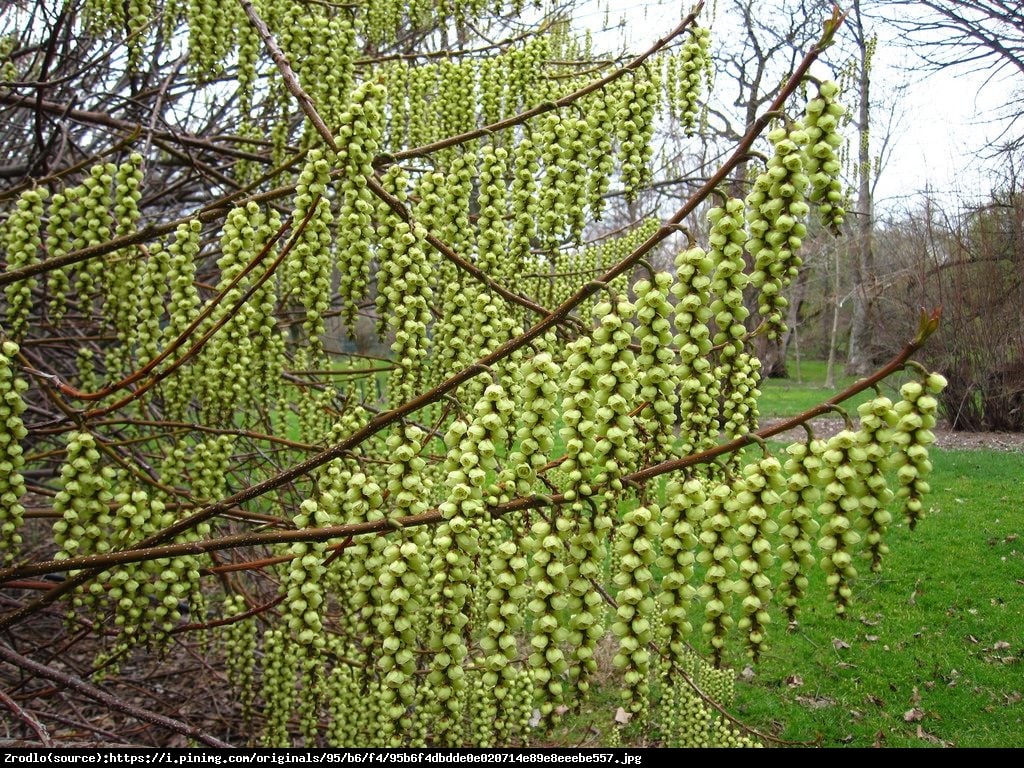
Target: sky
[
  {"x": 947, "y": 120},
  {"x": 942, "y": 120}
]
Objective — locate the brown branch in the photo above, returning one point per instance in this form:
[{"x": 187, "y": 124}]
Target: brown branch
[
  {"x": 452, "y": 53},
  {"x": 193, "y": 350},
  {"x": 449, "y": 253},
  {"x": 227, "y": 620},
  {"x": 105, "y": 120},
  {"x": 27, "y": 719},
  {"x": 184, "y": 426},
  {"x": 16, "y": 190},
  {"x": 145, "y": 551},
  {"x": 184, "y": 336},
  {"x": 395, "y": 415},
  {"x": 290, "y": 79},
  {"x": 97, "y": 694}
]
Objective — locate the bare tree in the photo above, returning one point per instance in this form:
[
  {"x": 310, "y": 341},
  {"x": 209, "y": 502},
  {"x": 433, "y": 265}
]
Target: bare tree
[
  {"x": 968, "y": 260},
  {"x": 863, "y": 262},
  {"x": 985, "y": 36}
]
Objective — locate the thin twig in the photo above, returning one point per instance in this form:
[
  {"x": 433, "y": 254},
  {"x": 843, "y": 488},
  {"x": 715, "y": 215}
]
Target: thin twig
[
  {"x": 97, "y": 694},
  {"x": 27, "y": 719}
]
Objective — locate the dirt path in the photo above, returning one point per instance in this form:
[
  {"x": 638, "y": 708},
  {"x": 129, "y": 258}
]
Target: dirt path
[{"x": 944, "y": 437}]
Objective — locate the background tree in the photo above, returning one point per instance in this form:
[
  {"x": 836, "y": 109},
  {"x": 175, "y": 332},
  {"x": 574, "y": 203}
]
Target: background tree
[
  {"x": 426, "y": 546},
  {"x": 968, "y": 260},
  {"x": 986, "y": 36}
]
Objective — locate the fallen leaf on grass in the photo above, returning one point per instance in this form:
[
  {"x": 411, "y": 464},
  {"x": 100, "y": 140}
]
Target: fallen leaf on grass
[
  {"x": 931, "y": 737},
  {"x": 622, "y": 716},
  {"x": 1000, "y": 645},
  {"x": 913, "y": 715},
  {"x": 561, "y": 709},
  {"x": 747, "y": 675},
  {"x": 875, "y": 700},
  {"x": 794, "y": 681},
  {"x": 846, "y": 665},
  {"x": 973, "y": 639},
  {"x": 871, "y": 638},
  {"x": 1012, "y": 698},
  {"x": 868, "y": 622},
  {"x": 839, "y": 645},
  {"x": 915, "y": 697},
  {"x": 846, "y": 739},
  {"x": 815, "y": 702},
  {"x": 879, "y": 740}
]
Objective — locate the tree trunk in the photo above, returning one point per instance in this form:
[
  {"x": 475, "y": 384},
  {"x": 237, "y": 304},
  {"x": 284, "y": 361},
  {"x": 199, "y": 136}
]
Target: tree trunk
[{"x": 861, "y": 357}]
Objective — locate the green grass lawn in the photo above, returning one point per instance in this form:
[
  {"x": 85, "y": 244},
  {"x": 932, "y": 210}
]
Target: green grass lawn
[
  {"x": 786, "y": 397},
  {"x": 933, "y": 649}
]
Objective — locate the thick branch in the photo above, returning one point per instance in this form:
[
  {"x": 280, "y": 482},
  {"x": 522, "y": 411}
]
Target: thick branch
[{"x": 145, "y": 552}]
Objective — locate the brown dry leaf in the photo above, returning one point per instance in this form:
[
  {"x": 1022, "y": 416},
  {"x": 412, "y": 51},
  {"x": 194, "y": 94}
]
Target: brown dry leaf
[
  {"x": 875, "y": 700},
  {"x": 815, "y": 702},
  {"x": 622, "y": 716},
  {"x": 846, "y": 739},
  {"x": 915, "y": 697},
  {"x": 868, "y": 622},
  {"x": 1000, "y": 645},
  {"x": 871, "y": 638},
  {"x": 1012, "y": 698},
  {"x": 846, "y": 665},
  {"x": 794, "y": 681},
  {"x": 931, "y": 737},
  {"x": 747, "y": 675},
  {"x": 879, "y": 740},
  {"x": 913, "y": 715},
  {"x": 973, "y": 639},
  {"x": 839, "y": 645}
]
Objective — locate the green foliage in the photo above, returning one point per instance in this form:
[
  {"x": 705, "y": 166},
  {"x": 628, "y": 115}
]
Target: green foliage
[{"x": 423, "y": 563}]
